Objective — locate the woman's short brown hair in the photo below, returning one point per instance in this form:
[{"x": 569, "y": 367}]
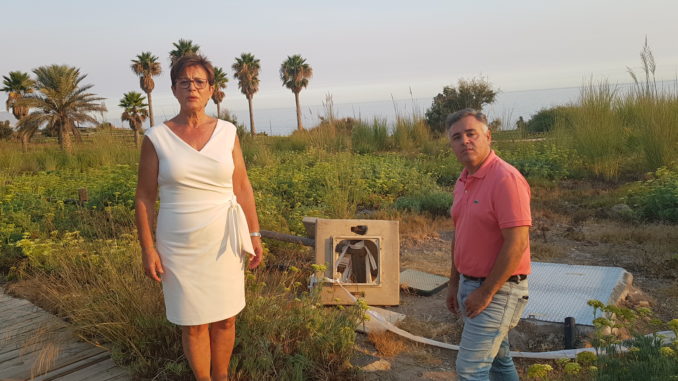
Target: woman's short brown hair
[{"x": 192, "y": 60}]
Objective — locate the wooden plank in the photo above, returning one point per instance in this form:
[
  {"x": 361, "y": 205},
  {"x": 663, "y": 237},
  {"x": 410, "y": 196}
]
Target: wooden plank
[
  {"x": 21, "y": 341},
  {"x": 15, "y": 313},
  {"x": 7, "y": 299},
  {"x": 33, "y": 324},
  {"x": 10, "y": 315},
  {"x": 100, "y": 371},
  {"x": 22, "y": 366},
  {"x": 28, "y": 344},
  {"x": 26, "y": 331},
  {"x": 55, "y": 374},
  {"x": 10, "y": 305},
  {"x": 18, "y": 310},
  {"x": 19, "y": 321}
]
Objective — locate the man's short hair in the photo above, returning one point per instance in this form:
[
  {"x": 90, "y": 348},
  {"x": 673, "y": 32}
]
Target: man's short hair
[
  {"x": 192, "y": 60},
  {"x": 461, "y": 114}
]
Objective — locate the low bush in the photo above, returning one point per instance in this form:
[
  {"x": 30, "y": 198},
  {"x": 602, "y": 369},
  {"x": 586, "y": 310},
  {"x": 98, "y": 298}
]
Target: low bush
[
  {"x": 546, "y": 119},
  {"x": 656, "y": 199},
  {"x": 435, "y": 203}
]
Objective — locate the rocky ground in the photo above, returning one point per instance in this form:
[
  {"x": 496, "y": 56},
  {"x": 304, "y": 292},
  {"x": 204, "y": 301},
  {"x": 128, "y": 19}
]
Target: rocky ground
[{"x": 649, "y": 252}]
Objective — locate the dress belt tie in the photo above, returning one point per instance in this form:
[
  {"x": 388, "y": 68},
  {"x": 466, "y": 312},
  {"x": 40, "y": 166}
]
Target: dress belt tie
[{"x": 237, "y": 231}]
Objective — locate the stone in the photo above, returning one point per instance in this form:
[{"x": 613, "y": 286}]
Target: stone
[{"x": 377, "y": 366}]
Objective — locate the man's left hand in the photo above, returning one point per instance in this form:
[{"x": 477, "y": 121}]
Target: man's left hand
[{"x": 476, "y": 302}]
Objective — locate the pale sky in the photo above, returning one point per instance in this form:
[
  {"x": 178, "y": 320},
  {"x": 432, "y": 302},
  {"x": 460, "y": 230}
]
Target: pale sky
[{"x": 359, "y": 50}]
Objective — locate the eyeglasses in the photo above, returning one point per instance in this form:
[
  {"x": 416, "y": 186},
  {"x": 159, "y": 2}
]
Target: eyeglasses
[{"x": 186, "y": 83}]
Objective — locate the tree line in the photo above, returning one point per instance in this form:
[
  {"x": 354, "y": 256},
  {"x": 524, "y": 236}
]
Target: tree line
[{"x": 56, "y": 100}]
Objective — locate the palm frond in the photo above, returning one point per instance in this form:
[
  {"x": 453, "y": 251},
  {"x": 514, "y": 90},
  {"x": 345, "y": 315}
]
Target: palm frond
[
  {"x": 183, "y": 48},
  {"x": 246, "y": 70}
]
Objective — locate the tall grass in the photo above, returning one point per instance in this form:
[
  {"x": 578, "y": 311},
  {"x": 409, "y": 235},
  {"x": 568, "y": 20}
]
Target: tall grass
[
  {"x": 410, "y": 133},
  {"x": 100, "y": 288},
  {"x": 105, "y": 150},
  {"x": 595, "y": 132},
  {"x": 368, "y": 138},
  {"x": 619, "y": 134},
  {"x": 654, "y": 121}
]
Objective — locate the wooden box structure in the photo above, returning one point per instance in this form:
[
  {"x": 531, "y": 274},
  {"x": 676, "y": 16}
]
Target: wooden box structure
[{"x": 363, "y": 255}]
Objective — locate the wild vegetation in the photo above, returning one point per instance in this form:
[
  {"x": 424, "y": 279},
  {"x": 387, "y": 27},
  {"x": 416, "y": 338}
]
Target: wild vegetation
[
  {"x": 78, "y": 257},
  {"x": 638, "y": 357}
]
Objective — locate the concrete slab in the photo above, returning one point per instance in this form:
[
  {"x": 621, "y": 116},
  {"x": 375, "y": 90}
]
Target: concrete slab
[
  {"x": 422, "y": 283},
  {"x": 559, "y": 290}
]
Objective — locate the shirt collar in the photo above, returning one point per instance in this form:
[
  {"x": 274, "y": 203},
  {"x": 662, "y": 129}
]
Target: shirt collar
[{"x": 482, "y": 171}]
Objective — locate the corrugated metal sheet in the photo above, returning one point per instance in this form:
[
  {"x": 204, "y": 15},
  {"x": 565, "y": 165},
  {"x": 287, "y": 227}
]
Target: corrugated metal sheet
[{"x": 560, "y": 290}]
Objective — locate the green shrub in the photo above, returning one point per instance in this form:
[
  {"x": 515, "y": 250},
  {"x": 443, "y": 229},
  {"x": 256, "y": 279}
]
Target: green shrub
[
  {"x": 6, "y": 132},
  {"x": 656, "y": 199},
  {"x": 546, "y": 119},
  {"x": 474, "y": 93},
  {"x": 539, "y": 159},
  {"x": 443, "y": 167},
  {"x": 436, "y": 204},
  {"x": 286, "y": 334},
  {"x": 647, "y": 357}
]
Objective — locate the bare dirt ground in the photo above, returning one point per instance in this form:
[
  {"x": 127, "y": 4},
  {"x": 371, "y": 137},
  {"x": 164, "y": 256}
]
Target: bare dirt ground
[{"x": 649, "y": 252}]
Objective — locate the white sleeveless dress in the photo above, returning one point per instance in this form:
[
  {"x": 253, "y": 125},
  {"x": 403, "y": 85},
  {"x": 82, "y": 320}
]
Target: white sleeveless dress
[{"x": 201, "y": 234}]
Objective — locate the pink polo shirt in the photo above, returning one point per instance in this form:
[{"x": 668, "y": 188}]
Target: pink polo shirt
[{"x": 496, "y": 197}]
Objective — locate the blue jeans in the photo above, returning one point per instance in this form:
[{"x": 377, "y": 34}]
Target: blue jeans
[{"x": 484, "y": 348}]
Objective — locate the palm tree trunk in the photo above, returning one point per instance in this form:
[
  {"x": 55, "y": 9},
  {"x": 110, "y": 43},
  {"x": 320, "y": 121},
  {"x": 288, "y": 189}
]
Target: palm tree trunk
[
  {"x": 296, "y": 99},
  {"x": 252, "y": 130},
  {"x": 150, "y": 109},
  {"x": 24, "y": 142},
  {"x": 65, "y": 140},
  {"x": 218, "y": 110}
]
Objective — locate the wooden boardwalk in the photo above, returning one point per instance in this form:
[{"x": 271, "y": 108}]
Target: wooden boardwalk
[{"x": 35, "y": 345}]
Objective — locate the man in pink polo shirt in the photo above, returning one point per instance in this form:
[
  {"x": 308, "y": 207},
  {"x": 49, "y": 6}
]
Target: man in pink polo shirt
[{"x": 490, "y": 250}]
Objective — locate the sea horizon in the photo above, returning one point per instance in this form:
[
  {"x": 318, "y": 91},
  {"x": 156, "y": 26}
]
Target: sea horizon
[{"x": 508, "y": 107}]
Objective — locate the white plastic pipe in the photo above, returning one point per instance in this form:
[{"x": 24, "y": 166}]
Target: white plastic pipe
[{"x": 667, "y": 337}]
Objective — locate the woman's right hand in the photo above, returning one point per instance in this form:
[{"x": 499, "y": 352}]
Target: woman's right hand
[{"x": 152, "y": 264}]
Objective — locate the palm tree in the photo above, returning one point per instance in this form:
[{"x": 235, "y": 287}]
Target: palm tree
[
  {"x": 246, "y": 70},
  {"x": 134, "y": 112},
  {"x": 183, "y": 48},
  {"x": 220, "y": 81},
  {"x": 146, "y": 66},
  {"x": 18, "y": 85},
  {"x": 60, "y": 103},
  {"x": 294, "y": 74}
]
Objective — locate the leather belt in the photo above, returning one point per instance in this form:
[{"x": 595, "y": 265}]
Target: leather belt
[{"x": 513, "y": 278}]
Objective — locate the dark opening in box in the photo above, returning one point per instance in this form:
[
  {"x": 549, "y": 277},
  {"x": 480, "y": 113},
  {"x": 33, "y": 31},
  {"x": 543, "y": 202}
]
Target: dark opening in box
[{"x": 357, "y": 261}]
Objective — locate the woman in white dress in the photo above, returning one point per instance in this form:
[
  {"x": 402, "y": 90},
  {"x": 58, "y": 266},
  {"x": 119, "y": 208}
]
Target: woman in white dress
[{"x": 207, "y": 223}]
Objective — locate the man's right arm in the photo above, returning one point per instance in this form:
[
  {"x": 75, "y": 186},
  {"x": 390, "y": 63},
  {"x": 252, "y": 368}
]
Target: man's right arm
[{"x": 453, "y": 287}]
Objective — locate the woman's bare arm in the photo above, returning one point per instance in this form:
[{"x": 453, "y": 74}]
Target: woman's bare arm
[
  {"x": 147, "y": 194},
  {"x": 245, "y": 195}
]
